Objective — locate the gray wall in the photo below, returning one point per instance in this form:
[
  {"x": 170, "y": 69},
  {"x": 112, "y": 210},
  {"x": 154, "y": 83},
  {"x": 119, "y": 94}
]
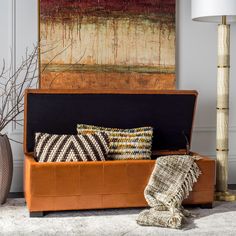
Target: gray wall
[
  {"x": 196, "y": 69},
  {"x": 197, "y": 63},
  {"x": 18, "y": 31}
]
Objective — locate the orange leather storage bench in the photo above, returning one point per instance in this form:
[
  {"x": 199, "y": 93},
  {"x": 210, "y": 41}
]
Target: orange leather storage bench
[{"x": 109, "y": 184}]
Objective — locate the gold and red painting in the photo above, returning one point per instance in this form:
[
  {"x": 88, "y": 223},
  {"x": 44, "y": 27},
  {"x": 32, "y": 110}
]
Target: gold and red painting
[{"x": 115, "y": 44}]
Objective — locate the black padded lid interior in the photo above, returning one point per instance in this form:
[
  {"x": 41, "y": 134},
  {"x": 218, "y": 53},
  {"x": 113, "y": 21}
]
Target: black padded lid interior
[{"x": 171, "y": 115}]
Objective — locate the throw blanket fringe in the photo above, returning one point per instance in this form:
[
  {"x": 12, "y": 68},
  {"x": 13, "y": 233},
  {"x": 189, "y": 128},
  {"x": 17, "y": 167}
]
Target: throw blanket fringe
[{"x": 170, "y": 183}]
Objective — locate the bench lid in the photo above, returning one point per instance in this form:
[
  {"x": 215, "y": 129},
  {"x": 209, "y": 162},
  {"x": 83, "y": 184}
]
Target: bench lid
[{"x": 169, "y": 112}]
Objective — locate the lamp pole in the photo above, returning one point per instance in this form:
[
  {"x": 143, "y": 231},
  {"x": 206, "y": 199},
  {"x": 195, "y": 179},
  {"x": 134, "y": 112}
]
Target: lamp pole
[{"x": 222, "y": 120}]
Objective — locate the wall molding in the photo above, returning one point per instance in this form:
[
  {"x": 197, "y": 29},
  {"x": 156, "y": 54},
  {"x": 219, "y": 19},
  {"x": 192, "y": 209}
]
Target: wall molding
[
  {"x": 18, "y": 163},
  {"x": 232, "y": 158},
  {"x": 13, "y": 48},
  {"x": 232, "y": 129},
  {"x": 16, "y": 131},
  {"x": 206, "y": 129}
]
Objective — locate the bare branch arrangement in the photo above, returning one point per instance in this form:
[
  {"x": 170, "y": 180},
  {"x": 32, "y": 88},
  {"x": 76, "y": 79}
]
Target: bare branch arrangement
[{"x": 12, "y": 86}]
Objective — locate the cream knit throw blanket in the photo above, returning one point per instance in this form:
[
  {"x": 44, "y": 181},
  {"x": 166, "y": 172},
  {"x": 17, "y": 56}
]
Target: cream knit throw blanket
[{"x": 170, "y": 183}]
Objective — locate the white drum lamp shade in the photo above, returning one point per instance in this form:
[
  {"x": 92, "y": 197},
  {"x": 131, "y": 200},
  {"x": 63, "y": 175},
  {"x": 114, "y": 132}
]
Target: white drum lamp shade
[
  {"x": 213, "y": 10},
  {"x": 222, "y": 12}
]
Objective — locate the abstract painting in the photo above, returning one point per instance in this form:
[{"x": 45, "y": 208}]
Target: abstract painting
[{"x": 115, "y": 44}]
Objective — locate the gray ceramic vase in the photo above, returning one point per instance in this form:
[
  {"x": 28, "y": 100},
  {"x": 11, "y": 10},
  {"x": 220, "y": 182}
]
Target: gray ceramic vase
[{"x": 6, "y": 168}]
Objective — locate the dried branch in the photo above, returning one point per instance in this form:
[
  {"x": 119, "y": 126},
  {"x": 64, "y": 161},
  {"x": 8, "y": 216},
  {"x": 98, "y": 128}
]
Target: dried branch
[
  {"x": 58, "y": 74},
  {"x": 13, "y": 82},
  {"x": 54, "y": 57},
  {"x": 12, "y": 86}
]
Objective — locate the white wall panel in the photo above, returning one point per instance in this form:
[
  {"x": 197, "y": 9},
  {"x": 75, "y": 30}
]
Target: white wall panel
[
  {"x": 26, "y": 26},
  {"x": 5, "y": 30},
  {"x": 197, "y": 68},
  {"x": 21, "y": 33}
]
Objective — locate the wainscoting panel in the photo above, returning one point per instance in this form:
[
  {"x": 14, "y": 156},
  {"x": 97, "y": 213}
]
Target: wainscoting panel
[
  {"x": 232, "y": 168},
  {"x": 22, "y": 31},
  {"x": 204, "y": 140},
  {"x": 17, "y": 181}
]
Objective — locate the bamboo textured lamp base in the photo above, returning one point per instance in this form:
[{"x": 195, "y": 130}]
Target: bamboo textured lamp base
[
  {"x": 222, "y": 109},
  {"x": 225, "y": 196}
]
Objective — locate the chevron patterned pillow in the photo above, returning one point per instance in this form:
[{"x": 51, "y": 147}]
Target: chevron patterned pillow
[
  {"x": 70, "y": 148},
  {"x": 124, "y": 143}
]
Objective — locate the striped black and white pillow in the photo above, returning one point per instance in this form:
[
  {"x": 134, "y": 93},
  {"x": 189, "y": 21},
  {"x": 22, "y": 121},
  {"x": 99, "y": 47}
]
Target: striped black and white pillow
[
  {"x": 125, "y": 144},
  {"x": 71, "y": 148}
]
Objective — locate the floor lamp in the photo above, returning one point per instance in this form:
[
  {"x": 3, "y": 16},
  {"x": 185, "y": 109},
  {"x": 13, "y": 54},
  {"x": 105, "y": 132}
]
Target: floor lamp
[{"x": 221, "y": 12}]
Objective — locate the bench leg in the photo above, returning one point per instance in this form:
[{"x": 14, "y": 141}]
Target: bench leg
[
  {"x": 207, "y": 206},
  {"x": 36, "y": 213}
]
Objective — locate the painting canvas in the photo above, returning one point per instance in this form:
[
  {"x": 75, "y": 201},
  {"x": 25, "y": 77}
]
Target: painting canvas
[{"x": 115, "y": 44}]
